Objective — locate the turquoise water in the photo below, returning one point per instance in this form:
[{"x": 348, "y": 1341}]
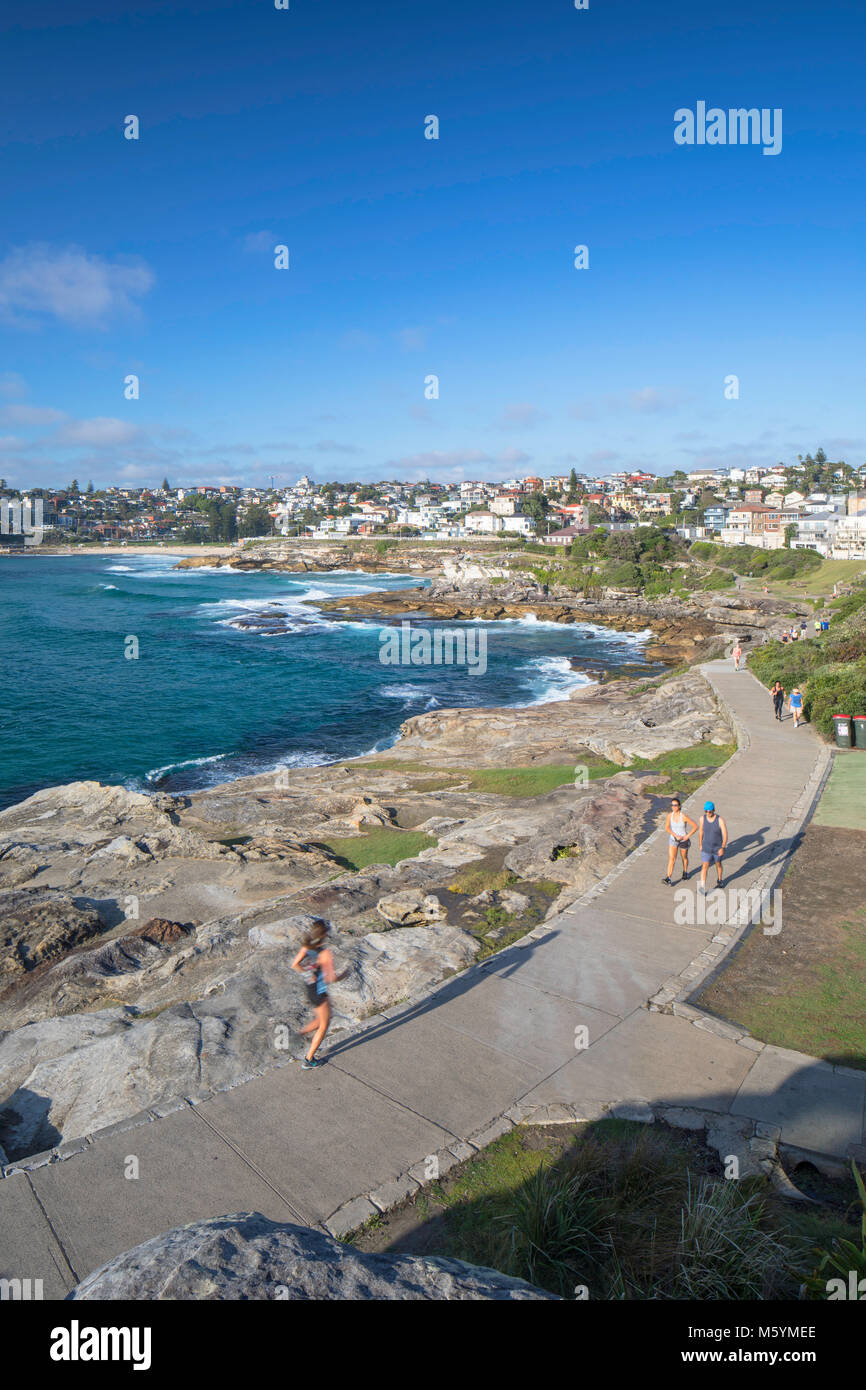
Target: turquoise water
[{"x": 208, "y": 699}]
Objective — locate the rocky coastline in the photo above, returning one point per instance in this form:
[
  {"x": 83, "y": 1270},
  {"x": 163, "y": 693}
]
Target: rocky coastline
[{"x": 146, "y": 940}]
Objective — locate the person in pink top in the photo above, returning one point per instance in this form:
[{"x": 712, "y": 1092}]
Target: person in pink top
[{"x": 737, "y": 653}]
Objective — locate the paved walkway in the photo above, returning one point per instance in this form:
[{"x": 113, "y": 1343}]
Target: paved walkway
[{"x": 426, "y": 1078}]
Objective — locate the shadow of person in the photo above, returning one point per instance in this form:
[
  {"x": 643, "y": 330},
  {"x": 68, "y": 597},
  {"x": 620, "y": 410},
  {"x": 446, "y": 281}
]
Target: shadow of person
[{"x": 24, "y": 1125}]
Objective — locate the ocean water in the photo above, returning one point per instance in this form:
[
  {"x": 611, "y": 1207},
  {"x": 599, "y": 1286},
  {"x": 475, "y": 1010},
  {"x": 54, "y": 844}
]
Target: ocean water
[{"x": 234, "y": 675}]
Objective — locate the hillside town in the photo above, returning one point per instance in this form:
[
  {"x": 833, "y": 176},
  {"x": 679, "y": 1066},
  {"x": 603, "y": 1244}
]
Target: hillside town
[{"x": 811, "y": 504}]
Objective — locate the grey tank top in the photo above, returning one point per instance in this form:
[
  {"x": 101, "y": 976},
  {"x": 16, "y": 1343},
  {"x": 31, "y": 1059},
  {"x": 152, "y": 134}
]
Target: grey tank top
[{"x": 712, "y": 834}]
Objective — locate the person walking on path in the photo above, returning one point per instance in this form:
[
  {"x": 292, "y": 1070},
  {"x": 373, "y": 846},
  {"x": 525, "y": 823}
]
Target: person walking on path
[
  {"x": 795, "y": 705},
  {"x": 736, "y": 654},
  {"x": 713, "y": 840},
  {"x": 680, "y": 828},
  {"x": 315, "y": 963},
  {"x": 777, "y": 691}
]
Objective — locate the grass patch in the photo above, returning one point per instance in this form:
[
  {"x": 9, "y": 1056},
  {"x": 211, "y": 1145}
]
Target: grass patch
[
  {"x": 817, "y": 581},
  {"x": 542, "y": 778},
  {"x": 378, "y": 847},
  {"x": 479, "y": 877},
  {"x": 534, "y": 781},
  {"x": 626, "y": 1211},
  {"x": 699, "y": 755},
  {"x": 823, "y": 1015}
]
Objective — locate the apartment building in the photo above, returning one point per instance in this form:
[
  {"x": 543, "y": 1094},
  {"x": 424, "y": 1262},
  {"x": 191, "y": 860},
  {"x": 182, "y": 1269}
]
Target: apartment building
[{"x": 751, "y": 523}]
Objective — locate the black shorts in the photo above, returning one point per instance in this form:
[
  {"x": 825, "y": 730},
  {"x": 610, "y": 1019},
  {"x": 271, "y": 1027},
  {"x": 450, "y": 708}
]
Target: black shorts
[{"x": 315, "y": 996}]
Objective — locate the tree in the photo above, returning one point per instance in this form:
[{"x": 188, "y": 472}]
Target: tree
[
  {"x": 790, "y": 533},
  {"x": 165, "y": 486},
  {"x": 536, "y": 506},
  {"x": 257, "y": 521},
  {"x": 90, "y": 489}
]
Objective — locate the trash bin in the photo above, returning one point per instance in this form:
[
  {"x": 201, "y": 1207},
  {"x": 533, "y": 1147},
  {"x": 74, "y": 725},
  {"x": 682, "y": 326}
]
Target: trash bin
[
  {"x": 859, "y": 722},
  {"x": 843, "y": 730}
]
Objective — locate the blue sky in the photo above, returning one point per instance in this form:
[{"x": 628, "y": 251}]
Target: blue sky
[{"x": 411, "y": 257}]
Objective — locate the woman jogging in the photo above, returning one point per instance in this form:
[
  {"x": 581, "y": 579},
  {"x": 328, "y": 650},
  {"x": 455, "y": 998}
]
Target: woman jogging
[
  {"x": 713, "y": 841},
  {"x": 736, "y": 654},
  {"x": 778, "y": 693},
  {"x": 315, "y": 962},
  {"x": 795, "y": 705},
  {"x": 680, "y": 828}
]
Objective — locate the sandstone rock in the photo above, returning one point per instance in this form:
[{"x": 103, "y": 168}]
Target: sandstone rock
[
  {"x": 160, "y": 932},
  {"x": 583, "y": 839},
  {"x": 246, "y": 1256},
  {"x": 618, "y": 720},
  {"x": 369, "y": 812},
  {"x": 287, "y": 933},
  {"x": 122, "y": 847},
  {"x": 396, "y": 965},
  {"x": 410, "y": 908},
  {"x": 35, "y": 928}
]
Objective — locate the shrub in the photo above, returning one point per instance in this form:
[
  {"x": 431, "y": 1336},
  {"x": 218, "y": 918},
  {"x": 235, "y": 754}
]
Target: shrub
[
  {"x": 551, "y": 1230},
  {"x": 838, "y": 689},
  {"x": 844, "y": 1255},
  {"x": 627, "y": 576},
  {"x": 724, "y": 1253},
  {"x": 717, "y": 580}
]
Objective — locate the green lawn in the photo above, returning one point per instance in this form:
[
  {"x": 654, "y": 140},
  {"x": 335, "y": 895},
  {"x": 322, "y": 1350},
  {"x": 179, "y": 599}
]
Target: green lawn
[
  {"x": 817, "y": 581},
  {"x": 844, "y": 798},
  {"x": 378, "y": 847},
  {"x": 536, "y": 780},
  {"x": 824, "y": 1016}
]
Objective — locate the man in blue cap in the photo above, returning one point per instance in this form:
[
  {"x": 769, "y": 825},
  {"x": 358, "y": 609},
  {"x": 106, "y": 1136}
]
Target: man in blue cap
[{"x": 712, "y": 839}]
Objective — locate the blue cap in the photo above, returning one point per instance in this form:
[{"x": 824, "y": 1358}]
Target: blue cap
[{"x": 709, "y": 806}]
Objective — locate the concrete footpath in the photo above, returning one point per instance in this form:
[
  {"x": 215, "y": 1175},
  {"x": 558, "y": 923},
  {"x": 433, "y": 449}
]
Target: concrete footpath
[{"x": 588, "y": 1014}]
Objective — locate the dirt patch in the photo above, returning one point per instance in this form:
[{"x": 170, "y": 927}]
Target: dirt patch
[{"x": 806, "y": 987}]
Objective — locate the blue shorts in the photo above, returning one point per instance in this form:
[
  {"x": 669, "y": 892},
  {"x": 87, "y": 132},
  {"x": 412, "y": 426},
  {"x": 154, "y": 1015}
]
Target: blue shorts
[{"x": 711, "y": 856}]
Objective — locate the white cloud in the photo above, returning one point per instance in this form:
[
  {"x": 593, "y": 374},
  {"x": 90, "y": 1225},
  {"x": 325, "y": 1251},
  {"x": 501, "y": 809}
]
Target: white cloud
[
  {"x": 649, "y": 400},
  {"x": 435, "y": 461},
  {"x": 331, "y": 446},
  {"x": 31, "y": 415},
  {"x": 413, "y": 339},
  {"x": 101, "y": 432},
  {"x": 68, "y": 284},
  {"x": 258, "y": 242},
  {"x": 583, "y": 410},
  {"x": 12, "y": 385},
  {"x": 355, "y": 339},
  {"x": 522, "y": 415}
]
